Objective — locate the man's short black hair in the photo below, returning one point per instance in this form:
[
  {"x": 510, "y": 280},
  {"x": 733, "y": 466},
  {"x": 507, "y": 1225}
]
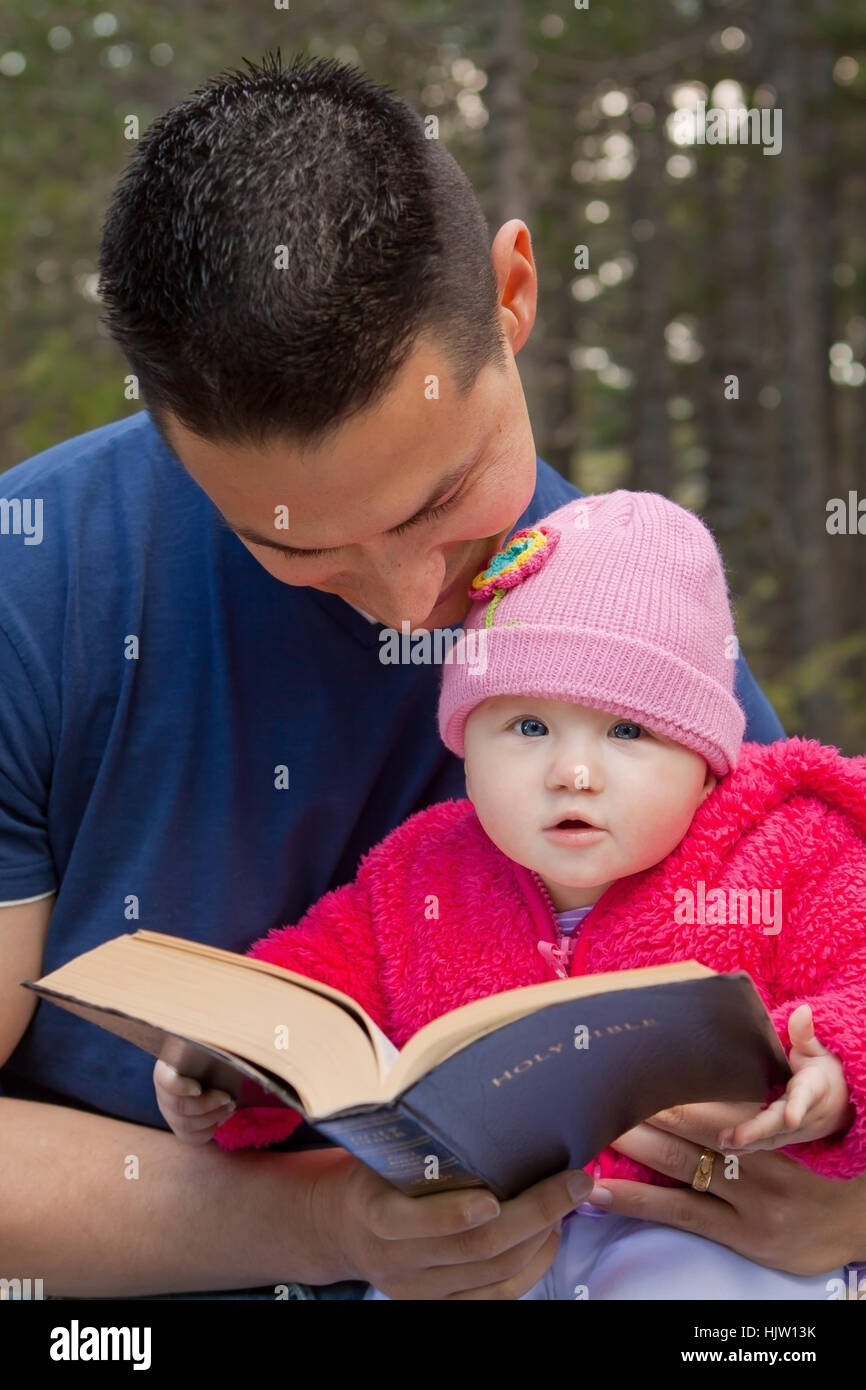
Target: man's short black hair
[{"x": 385, "y": 241}]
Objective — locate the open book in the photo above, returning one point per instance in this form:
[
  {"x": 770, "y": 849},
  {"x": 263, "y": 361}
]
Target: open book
[{"x": 502, "y": 1092}]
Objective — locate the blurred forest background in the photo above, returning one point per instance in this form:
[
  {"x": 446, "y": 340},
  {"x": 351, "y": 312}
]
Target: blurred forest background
[{"x": 703, "y": 261}]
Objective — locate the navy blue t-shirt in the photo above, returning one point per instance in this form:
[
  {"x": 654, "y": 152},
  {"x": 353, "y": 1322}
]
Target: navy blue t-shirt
[{"x": 153, "y": 679}]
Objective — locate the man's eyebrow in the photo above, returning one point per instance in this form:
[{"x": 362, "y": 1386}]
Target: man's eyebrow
[{"x": 442, "y": 487}]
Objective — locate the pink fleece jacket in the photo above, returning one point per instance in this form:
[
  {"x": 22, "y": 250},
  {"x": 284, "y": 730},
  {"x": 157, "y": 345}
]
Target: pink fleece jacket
[{"x": 438, "y": 916}]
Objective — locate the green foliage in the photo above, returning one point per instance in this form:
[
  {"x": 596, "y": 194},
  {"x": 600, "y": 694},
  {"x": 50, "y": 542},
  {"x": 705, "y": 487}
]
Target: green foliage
[{"x": 613, "y": 400}]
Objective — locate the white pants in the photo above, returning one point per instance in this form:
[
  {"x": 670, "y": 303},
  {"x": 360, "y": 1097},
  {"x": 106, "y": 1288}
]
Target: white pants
[{"x": 605, "y": 1256}]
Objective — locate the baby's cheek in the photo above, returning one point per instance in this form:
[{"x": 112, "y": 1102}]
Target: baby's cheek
[
  {"x": 664, "y": 825},
  {"x": 642, "y": 842}
]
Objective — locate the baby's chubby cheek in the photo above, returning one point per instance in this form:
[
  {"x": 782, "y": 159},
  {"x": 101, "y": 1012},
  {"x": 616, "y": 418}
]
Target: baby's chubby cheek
[
  {"x": 647, "y": 838},
  {"x": 498, "y": 808},
  {"x": 508, "y": 831}
]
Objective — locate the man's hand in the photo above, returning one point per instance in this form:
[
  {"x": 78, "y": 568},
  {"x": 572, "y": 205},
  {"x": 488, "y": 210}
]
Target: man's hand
[
  {"x": 450, "y": 1245},
  {"x": 776, "y": 1212}
]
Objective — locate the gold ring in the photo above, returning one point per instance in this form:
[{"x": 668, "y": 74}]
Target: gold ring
[{"x": 704, "y": 1171}]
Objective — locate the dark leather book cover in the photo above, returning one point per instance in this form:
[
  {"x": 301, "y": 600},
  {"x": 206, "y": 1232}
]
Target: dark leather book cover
[{"x": 551, "y": 1090}]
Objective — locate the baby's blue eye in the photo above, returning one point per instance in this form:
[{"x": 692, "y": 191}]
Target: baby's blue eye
[
  {"x": 627, "y": 724},
  {"x": 538, "y": 725}
]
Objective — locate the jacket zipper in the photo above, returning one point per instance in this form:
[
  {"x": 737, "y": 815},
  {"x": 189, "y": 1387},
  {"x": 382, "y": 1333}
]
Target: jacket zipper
[
  {"x": 578, "y": 955},
  {"x": 546, "y": 898}
]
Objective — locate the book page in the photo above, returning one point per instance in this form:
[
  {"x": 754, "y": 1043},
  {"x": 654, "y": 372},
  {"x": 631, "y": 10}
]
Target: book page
[
  {"x": 278, "y": 1025},
  {"x": 386, "y": 1052}
]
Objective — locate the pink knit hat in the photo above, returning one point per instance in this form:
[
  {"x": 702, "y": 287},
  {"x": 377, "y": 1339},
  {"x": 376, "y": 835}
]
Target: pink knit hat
[{"x": 617, "y": 601}]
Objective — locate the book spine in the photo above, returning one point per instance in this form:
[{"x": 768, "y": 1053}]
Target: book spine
[{"x": 395, "y": 1145}]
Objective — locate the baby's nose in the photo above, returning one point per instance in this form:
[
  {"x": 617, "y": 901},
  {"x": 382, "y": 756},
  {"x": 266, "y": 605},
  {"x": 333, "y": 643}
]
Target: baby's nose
[{"x": 582, "y": 778}]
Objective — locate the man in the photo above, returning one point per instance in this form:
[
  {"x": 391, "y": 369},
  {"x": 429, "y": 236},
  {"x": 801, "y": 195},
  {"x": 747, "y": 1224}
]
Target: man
[{"x": 196, "y": 732}]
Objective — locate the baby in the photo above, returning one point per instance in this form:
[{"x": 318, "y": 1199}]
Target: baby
[{"x": 614, "y": 819}]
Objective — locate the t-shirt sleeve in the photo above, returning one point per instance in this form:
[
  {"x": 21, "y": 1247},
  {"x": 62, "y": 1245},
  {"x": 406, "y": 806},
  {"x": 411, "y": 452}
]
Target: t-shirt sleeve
[
  {"x": 27, "y": 867},
  {"x": 762, "y": 722}
]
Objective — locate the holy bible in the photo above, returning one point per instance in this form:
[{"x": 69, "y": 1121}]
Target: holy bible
[{"x": 502, "y": 1092}]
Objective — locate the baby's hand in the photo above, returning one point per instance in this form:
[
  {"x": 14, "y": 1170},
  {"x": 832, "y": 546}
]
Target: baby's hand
[
  {"x": 816, "y": 1102},
  {"x": 192, "y": 1116}
]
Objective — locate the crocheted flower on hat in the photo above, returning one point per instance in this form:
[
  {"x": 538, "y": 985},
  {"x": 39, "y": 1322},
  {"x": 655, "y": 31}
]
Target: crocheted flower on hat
[{"x": 525, "y": 553}]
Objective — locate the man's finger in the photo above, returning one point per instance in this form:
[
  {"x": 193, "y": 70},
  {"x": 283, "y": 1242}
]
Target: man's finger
[
  {"x": 520, "y": 1219},
  {"x": 701, "y": 1213},
  {"x": 669, "y": 1154},
  {"x": 456, "y": 1224},
  {"x": 702, "y": 1123},
  {"x": 516, "y": 1285}
]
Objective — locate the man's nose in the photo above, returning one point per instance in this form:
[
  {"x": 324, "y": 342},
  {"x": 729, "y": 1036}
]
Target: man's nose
[{"x": 404, "y": 592}]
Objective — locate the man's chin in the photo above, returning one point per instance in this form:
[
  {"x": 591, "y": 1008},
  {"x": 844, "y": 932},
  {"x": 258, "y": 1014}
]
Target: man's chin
[{"x": 449, "y": 613}]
